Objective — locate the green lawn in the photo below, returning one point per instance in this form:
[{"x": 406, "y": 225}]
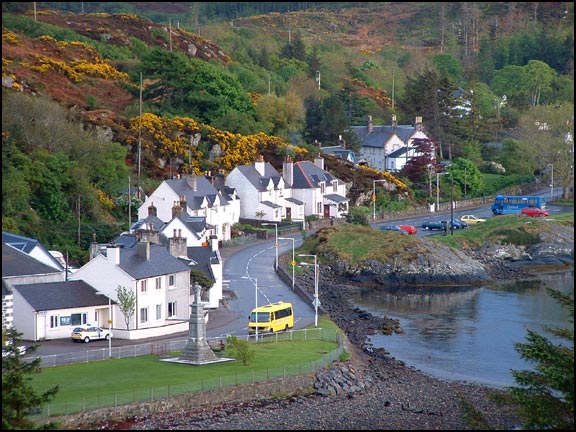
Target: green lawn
[{"x": 118, "y": 381}]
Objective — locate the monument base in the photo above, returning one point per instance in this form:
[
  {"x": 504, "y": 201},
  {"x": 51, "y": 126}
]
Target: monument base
[{"x": 195, "y": 362}]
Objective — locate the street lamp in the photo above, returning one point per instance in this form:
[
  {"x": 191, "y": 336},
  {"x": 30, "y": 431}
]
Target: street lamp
[
  {"x": 255, "y": 282},
  {"x": 438, "y": 190},
  {"x": 316, "y": 301},
  {"x": 109, "y": 323},
  {"x": 374, "y": 197},
  {"x": 293, "y": 260},
  {"x": 275, "y": 244},
  {"x": 551, "y": 182}
]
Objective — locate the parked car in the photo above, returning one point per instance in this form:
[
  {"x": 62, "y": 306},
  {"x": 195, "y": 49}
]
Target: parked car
[
  {"x": 90, "y": 333},
  {"x": 432, "y": 225},
  {"x": 534, "y": 212},
  {"x": 456, "y": 224},
  {"x": 472, "y": 220},
  {"x": 410, "y": 229},
  {"x": 392, "y": 228}
]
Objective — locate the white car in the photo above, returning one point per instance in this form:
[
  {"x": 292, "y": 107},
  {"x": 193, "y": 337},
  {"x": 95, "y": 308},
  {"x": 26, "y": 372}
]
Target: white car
[
  {"x": 472, "y": 220},
  {"x": 90, "y": 333}
]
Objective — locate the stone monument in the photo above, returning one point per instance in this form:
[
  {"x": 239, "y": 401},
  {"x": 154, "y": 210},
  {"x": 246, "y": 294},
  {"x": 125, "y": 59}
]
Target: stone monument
[{"x": 197, "y": 350}]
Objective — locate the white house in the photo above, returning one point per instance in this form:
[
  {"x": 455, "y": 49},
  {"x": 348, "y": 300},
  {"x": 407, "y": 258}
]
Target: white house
[
  {"x": 51, "y": 310},
  {"x": 381, "y": 146},
  {"x": 323, "y": 194},
  {"x": 159, "y": 281},
  {"x": 206, "y": 196},
  {"x": 263, "y": 193}
]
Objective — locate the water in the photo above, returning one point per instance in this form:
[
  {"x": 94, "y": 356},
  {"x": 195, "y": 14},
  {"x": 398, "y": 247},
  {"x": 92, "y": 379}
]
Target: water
[{"x": 468, "y": 334}]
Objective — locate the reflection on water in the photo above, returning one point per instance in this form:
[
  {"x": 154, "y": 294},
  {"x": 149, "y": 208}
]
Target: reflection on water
[{"x": 468, "y": 333}]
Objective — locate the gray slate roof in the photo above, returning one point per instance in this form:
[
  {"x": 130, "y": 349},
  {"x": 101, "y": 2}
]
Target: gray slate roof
[
  {"x": 195, "y": 197},
  {"x": 18, "y": 263},
  {"x": 27, "y": 245},
  {"x": 381, "y": 134},
  {"x": 261, "y": 182},
  {"x": 161, "y": 262},
  {"x": 60, "y": 295},
  {"x": 308, "y": 175}
]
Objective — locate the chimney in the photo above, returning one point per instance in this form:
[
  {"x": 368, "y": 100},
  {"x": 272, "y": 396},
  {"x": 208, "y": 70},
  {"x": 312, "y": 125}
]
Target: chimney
[
  {"x": 288, "y": 171},
  {"x": 177, "y": 245},
  {"x": 143, "y": 249},
  {"x": 93, "y": 246},
  {"x": 176, "y": 209},
  {"x": 319, "y": 162},
  {"x": 183, "y": 204},
  {"x": 259, "y": 165},
  {"x": 394, "y": 121},
  {"x": 370, "y": 125},
  {"x": 152, "y": 211},
  {"x": 113, "y": 254},
  {"x": 419, "y": 126},
  {"x": 219, "y": 181},
  {"x": 192, "y": 182}
]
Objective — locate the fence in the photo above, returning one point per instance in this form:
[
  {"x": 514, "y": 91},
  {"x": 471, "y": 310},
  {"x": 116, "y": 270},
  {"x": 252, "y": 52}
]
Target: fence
[{"x": 155, "y": 393}]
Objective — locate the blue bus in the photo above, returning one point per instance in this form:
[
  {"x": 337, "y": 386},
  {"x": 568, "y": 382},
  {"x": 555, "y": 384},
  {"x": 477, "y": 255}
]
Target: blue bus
[{"x": 513, "y": 204}]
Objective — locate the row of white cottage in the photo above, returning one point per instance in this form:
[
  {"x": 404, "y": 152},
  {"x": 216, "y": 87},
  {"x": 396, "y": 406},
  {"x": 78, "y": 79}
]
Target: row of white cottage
[{"x": 180, "y": 226}]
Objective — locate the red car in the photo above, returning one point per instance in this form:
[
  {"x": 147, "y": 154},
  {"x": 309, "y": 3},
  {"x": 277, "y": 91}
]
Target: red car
[
  {"x": 534, "y": 212},
  {"x": 410, "y": 229}
]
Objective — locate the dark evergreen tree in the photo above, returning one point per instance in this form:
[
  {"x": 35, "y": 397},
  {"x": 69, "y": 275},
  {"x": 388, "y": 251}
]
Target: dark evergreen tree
[
  {"x": 546, "y": 395},
  {"x": 313, "y": 131},
  {"x": 334, "y": 120},
  {"x": 19, "y": 399}
]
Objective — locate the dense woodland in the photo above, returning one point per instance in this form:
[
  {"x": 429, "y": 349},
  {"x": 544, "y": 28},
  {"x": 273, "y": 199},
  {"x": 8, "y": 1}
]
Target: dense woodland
[{"x": 99, "y": 96}]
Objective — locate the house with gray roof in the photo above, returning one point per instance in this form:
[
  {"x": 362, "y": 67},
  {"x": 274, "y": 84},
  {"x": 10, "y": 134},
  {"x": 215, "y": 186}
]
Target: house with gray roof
[
  {"x": 51, "y": 310},
  {"x": 389, "y": 147},
  {"x": 205, "y": 196},
  {"x": 18, "y": 267},
  {"x": 159, "y": 280},
  {"x": 264, "y": 194},
  {"x": 323, "y": 195},
  {"x": 32, "y": 247}
]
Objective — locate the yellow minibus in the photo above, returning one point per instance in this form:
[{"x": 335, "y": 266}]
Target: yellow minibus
[{"x": 271, "y": 318}]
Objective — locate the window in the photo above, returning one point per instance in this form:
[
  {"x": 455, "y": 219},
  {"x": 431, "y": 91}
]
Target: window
[
  {"x": 159, "y": 312},
  {"x": 143, "y": 315},
  {"x": 335, "y": 185},
  {"x": 77, "y": 319},
  {"x": 54, "y": 321},
  {"x": 322, "y": 188},
  {"x": 143, "y": 286},
  {"x": 171, "y": 309},
  {"x": 171, "y": 280},
  {"x": 158, "y": 283},
  {"x": 65, "y": 321}
]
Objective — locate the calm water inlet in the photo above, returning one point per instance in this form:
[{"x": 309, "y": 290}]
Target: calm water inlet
[{"x": 468, "y": 334}]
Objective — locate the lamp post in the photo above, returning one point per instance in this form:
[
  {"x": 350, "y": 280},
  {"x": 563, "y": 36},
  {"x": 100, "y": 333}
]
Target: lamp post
[
  {"x": 374, "y": 197},
  {"x": 275, "y": 244},
  {"x": 451, "y": 204},
  {"x": 109, "y": 323},
  {"x": 316, "y": 301},
  {"x": 255, "y": 282},
  {"x": 551, "y": 182},
  {"x": 293, "y": 258},
  {"x": 438, "y": 189}
]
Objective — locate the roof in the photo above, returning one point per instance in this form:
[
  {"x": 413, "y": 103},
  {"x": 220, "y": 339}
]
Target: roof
[
  {"x": 18, "y": 263},
  {"x": 294, "y": 201},
  {"x": 153, "y": 221},
  {"x": 60, "y": 295},
  {"x": 336, "y": 198},
  {"x": 270, "y": 204},
  {"x": 161, "y": 262},
  {"x": 27, "y": 245},
  {"x": 259, "y": 181},
  {"x": 195, "y": 195},
  {"x": 202, "y": 258},
  {"x": 308, "y": 175},
  {"x": 381, "y": 134}
]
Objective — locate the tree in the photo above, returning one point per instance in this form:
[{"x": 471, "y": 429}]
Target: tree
[
  {"x": 127, "y": 303},
  {"x": 546, "y": 395},
  {"x": 19, "y": 399},
  {"x": 242, "y": 349}
]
